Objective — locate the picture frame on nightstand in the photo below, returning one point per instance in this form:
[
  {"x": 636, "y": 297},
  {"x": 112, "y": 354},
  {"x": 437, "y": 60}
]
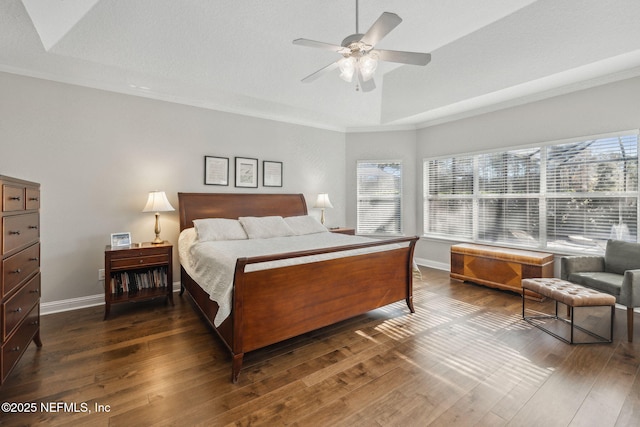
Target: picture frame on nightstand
[{"x": 120, "y": 240}]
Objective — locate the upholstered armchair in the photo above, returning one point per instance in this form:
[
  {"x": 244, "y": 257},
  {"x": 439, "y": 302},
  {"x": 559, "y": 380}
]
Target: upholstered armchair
[{"x": 616, "y": 273}]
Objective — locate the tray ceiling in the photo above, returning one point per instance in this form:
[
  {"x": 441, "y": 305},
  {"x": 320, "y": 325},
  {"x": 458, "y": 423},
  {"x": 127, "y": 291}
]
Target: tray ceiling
[{"x": 238, "y": 56}]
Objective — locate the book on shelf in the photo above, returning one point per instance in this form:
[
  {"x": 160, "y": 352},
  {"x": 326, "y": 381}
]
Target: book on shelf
[{"x": 136, "y": 280}]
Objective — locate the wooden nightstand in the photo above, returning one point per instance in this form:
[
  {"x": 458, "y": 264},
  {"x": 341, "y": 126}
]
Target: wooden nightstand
[
  {"x": 137, "y": 272},
  {"x": 343, "y": 230}
]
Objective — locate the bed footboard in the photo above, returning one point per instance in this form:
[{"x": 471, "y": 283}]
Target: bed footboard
[{"x": 273, "y": 305}]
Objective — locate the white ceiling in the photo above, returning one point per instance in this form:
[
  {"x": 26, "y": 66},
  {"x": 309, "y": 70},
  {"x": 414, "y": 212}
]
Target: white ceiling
[{"x": 238, "y": 55}]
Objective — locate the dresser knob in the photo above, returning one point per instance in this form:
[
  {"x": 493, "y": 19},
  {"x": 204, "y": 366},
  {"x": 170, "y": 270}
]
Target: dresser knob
[
  {"x": 35, "y": 322},
  {"x": 33, "y": 227},
  {"x": 17, "y": 271},
  {"x": 17, "y": 233},
  {"x": 19, "y": 309},
  {"x": 35, "y": 258},
  {"x": 14, "y": 198},
  {"x": 34, "y": 291},
  {"x": 141, "y": 261},
  {"x": 17, "y": 348},
  {"x": 33, "y": 199}
]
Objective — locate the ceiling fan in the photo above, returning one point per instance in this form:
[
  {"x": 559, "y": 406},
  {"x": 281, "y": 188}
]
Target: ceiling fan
[{"x": 359, "y": 55}]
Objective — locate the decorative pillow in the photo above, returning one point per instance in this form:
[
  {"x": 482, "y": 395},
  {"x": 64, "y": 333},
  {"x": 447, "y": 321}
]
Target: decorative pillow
[
  {"x": 263, "y": 227},
  {"x": 305, "y": 224},
  {"x": 218, "y": 229}
]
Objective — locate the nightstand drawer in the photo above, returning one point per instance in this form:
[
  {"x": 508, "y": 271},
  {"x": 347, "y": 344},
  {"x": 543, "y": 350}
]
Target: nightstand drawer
[
  {"x": 19, "y": 231},
  {"x": 18, "y": 306},
  {"x": 17, "y": 268},
  {"x": 12, "y": 198},
  {"x": 144, "y": 261},
  {"x": 144, "y": 251}
]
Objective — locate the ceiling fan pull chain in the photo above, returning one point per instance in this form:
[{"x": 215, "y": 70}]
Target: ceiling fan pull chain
[{"x": 357, "y": 32}]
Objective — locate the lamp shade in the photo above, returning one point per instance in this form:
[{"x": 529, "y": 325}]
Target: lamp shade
[
  {"x": 157, "y": 202},
  {"x": 323, "y": 201}
]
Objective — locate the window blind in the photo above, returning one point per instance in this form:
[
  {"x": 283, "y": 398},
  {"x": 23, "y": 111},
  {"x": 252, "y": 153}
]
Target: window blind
[
  {"x": 592, "y": 191},
  {"x": 570, "y": 196},
  {"x": 379, "y": 193},
  {"x": 508, "y": 196},
  {"x": 448, "y": 200}
]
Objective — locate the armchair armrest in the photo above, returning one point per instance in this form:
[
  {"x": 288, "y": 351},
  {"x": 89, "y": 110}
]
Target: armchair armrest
[
  {"x": 630, "y": 291},
  {"x": 578, "y": 264}
]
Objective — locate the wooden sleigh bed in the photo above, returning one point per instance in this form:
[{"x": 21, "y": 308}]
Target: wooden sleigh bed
[{"x": 272, "y": 305}]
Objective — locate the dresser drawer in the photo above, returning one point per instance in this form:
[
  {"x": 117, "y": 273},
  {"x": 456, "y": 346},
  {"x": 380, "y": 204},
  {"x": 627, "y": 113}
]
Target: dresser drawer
[
  {"x": 32, "y": 199},
  {"x": 144, "y": 261},
  {"x": 138, "y": 252},
  {"x": 17, "y": 307},
  {"x": 19, "y": 231},
  {"x": 16, "y": 345},
  {"x": 19, "y": 267},
  {"x": 12, "y": 198}
]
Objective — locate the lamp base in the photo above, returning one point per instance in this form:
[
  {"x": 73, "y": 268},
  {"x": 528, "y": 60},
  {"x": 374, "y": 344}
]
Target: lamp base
[{"x": 157, "y": 240}]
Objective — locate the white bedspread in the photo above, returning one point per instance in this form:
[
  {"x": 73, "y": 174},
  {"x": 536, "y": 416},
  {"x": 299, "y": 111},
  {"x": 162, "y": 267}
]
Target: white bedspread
[{"x": 212, "y": 264}]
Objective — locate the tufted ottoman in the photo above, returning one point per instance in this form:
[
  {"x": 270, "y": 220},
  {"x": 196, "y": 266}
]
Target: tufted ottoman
[{"x": 572, "y": 295}]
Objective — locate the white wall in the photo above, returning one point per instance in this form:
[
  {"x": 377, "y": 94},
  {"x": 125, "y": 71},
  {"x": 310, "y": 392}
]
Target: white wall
[
  {"x": 608, "y": 108},
  {"x": 97, "y": 155},
  {"x": 397, "y": 145}
]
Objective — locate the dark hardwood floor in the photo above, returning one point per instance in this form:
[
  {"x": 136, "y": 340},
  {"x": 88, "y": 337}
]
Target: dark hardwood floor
[{"x": 464, "y": 358}]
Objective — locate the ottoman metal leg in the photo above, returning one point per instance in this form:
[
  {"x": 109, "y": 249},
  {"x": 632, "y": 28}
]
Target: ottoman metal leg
[{"x": 571, "y": 321}]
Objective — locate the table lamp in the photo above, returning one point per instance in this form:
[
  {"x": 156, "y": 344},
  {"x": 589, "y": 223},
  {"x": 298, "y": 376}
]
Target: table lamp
[
  {"x": 323, "y": 202},
  {"x": 157, "y": 202}
]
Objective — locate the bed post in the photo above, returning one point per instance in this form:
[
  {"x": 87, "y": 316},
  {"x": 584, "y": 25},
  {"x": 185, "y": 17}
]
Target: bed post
[
  {"x": 412, "y": 246},
  {"x": 238, "y": 319},
  {"x": 236, "y": 365}
]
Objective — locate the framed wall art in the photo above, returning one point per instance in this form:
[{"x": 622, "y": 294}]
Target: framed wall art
[
  {"x": 216, "y": 170},
  {"x": 246, "y": 172},
  {"x": 271, "y": 173}
]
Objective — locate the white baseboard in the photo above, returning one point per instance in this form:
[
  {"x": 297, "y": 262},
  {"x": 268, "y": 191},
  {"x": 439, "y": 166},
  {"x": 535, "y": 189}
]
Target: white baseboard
[
  {"x": 432, "y": 264},
  {"x": 78, "y": 303}
]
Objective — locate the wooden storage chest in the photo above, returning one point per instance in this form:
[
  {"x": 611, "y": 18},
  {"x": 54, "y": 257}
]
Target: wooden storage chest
[{"x": 502, "y": 268}]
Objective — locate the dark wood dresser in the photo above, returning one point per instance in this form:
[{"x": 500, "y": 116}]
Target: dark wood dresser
[{"x": 20, "y": 270}]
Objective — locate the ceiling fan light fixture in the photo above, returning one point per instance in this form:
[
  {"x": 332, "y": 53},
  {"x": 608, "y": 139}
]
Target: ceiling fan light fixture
[
  {"x": 367, "y": 65},
  {"x": 347, "y": 68},
  {"x": 359, "y": 54}
]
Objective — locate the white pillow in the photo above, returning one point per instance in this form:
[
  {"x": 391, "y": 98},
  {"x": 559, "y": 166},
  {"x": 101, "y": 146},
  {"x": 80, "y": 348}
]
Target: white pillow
[
  {"x": 305, "y": 224},
  {"x": 264, "y": 227},
  {"x": 218, "y": 229}
]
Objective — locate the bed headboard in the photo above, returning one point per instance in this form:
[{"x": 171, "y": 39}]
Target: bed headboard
[{"x": 233, "y": 205}]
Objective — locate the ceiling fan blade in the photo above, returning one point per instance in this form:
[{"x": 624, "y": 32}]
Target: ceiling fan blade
[
  {"x": 320, "y": 72},
  {"x": 319, "y": 45},
  {"x": 367, "y": 86},
  {"x": 383, "y": 26},
  {"x": 413, "y": 58}
]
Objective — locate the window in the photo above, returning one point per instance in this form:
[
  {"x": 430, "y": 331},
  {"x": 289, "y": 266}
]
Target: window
[
  {"x": 570, "y": 196},
  {"x": 379, "y": 197}
]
